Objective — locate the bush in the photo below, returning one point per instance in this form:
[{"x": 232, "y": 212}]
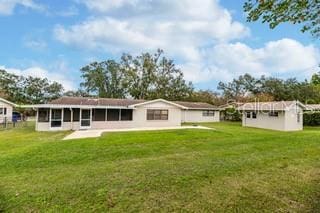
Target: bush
[
  {"x": 231, "y": 114},
  {"x": 311, "y": 119}
]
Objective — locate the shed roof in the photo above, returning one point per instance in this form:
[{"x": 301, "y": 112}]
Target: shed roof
[
  {"x": 313, "y": 106},
  {"x": 267, "y": 106}
]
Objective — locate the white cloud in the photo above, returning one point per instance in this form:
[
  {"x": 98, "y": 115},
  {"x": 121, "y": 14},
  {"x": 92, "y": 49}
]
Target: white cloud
[
  {"x": 7, "y": 6},
  {"x": 282, "y": 57},
  {"x": 200, "y": 35},
  {"x": 179, "y": 27},
  {"x": 39, "y": 72},
  {"x": 35, "y": 44}
]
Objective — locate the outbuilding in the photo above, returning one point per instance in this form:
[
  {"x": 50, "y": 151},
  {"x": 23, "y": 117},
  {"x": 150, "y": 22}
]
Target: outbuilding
[
  {"x": 6, "y": 109},
  {"x": 74, "y": 113},
  {"x": 282, "y": 115}
]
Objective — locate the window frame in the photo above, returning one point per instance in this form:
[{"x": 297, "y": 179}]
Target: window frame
[
  {"x": 162, "y": 115},
  {"x": 208, "y": 113},
  {"x": 273, "y": 114},
  {"x": 254, "y": 115},
  {"x": 248, "y": 114}
]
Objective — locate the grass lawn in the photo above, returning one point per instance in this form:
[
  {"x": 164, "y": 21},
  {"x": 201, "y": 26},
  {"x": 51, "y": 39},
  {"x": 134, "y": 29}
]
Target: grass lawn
[{"x": 232, "y": 169}]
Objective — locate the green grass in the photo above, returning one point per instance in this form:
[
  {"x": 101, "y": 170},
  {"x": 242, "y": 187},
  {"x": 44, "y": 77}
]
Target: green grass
[{"x": 232, "y": 169}]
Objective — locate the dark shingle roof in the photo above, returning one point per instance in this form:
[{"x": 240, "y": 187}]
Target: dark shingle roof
[
  {"x": 94, "y": 101},
  {"x": 195, "y": 105},
  {"x": 120, "y": 102}
]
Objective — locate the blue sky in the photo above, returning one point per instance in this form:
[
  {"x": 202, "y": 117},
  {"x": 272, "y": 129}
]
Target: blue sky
[{"x": 208, "y": 39}]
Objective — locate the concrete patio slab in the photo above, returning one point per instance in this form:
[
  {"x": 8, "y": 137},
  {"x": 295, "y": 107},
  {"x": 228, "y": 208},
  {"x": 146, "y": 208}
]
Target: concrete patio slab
[{"x": 98, "y": 132}]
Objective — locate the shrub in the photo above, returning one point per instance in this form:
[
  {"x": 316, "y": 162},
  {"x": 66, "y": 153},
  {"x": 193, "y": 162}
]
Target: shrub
[{"x": 311, "y": 119}]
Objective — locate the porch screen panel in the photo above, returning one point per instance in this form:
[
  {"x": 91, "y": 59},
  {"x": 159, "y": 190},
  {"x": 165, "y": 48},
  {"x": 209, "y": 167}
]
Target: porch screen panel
[
  {"x": 99, "y": 115},
  {"x": 56, "y": 117},
  {"x": 126, "y": 114},
  {"x": 66, "y": 115},
  {"x": 43, "y": 115},
  {"x": 76, "y": 114},
  {"x": 113, "y": 114}
]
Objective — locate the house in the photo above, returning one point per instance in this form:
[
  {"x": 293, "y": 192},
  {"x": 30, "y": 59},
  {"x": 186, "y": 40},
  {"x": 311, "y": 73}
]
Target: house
[
  {"x": 283, "y": 116},
  {"x": 6, "y": 109},
  {"x": 74, "y": 113}
]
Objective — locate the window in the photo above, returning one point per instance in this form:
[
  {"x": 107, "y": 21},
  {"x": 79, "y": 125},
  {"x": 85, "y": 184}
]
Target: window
[
  {"x": 208, "y": 113},
  {"x": 155, "y": 114},
  {"x": 66, "y": 115},
  {"x": 248, "y": 114},
  {"x": 76, "y": 114},
  {"x": 126, "y": 114},
  {"x": 4, "y": 111},
  {"x": 99, "y": 115},
  {"x": 56, "y": 117},
  {"x": 298, "y": 117},
  {"x": 113, "y": 114},
  {"x": 254, "y": 115},
  {"x": 273, "y": 114},
  {"x": 43, "y": 115}
]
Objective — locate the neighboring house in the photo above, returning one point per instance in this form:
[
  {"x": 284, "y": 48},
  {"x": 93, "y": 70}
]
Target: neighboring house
[
  {"x": 74, "y": 113},
  {"x": 283, "y": 116},
  {"x": 6, "y": 109}
]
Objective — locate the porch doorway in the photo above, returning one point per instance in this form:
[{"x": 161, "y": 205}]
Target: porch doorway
[{"x": 85, "y": 119}]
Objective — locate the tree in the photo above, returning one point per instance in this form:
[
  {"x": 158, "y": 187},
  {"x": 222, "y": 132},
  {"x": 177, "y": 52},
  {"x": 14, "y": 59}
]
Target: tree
[
  {"x": 207, "y": 96},
  {"x": 275, "y": 12},
  {"x": 28, "y": 90},
  {"x": 315, "y": 79},
  {"x": 103, "y": 78},
  {"x": 146, "y": 76},
  {"x": 238, "y": 88}
]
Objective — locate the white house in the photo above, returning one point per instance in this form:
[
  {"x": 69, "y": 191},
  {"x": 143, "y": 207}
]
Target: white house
[
  {"x": 6, "y": 109},
  {"x": 283, "y": 116},
  {"x": 74, "y": 113}
]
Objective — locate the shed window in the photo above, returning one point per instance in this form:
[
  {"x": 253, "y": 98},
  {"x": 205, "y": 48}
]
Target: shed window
[
  {"x": 4, "y": 111},
  {"x": 273, "y": 114},
  {"x": 99, "y": 115},
  {"x": 153, "y": 114},
  {"x": 76, "y": 114},
  {"x": 126, "y": 114},
  {"x": 254, "y": 115},
  {"x": 66, "y": 115},
  {"x": 208, "y": 113},
  {"x": 43, "y": 115},
  {"x": 113, "y": 114},
  {"x": 248, "y": 114}
]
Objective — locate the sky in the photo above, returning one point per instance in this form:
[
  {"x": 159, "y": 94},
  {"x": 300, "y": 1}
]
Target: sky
[{"x": 209, "y": 40}]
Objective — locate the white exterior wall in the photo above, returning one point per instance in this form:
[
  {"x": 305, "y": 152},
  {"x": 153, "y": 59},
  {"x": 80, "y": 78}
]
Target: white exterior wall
[
  {"x": 291, "y": 120},
  {"x": 265, "y": 121},
  {"x": 197, "y": 116},
  {"x": 8, "y": 115},
  {"x": 286, "y": 121}
]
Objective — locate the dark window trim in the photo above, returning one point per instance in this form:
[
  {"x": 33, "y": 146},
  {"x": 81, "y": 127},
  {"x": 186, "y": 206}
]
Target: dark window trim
[
  {"x": 157, "y": 114},
  {"x": 208, "y": 113},
  {"x": 273, "y": 114}
]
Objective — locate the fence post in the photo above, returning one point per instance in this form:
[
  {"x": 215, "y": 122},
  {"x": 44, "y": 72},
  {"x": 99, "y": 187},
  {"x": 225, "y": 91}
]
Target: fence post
[{"x": 5, "y": 122}]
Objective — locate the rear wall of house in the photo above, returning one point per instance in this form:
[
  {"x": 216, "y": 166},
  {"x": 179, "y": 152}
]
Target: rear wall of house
[
  {"x": 199, "y": 116},
  {"x": 139, "y": 119}
]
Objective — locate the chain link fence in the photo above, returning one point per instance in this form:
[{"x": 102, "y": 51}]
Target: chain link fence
[{"x": 12, "y": 122}]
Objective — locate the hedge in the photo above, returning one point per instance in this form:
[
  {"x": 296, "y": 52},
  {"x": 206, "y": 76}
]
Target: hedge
[{"x": 311, "y": 119}]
